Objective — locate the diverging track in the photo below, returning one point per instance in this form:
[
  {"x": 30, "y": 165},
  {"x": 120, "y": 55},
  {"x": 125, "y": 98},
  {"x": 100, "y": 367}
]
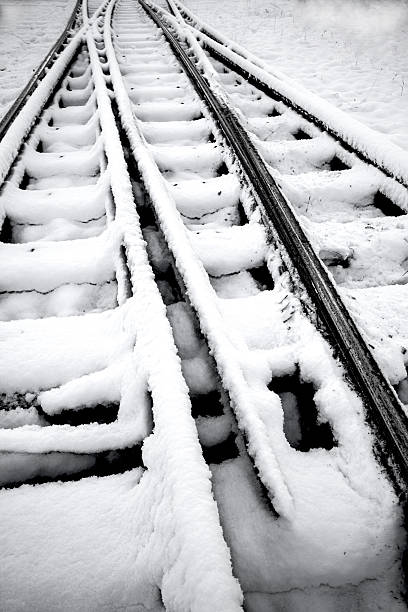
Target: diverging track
[{"x": 159, "y": 333}]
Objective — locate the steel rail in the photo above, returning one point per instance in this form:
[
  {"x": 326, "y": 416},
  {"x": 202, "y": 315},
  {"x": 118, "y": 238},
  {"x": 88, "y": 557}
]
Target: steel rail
[
  {"x": 383, "y": 406},
  {"x": 270, "y": 91},
  {"x": 38, "y": 74}
]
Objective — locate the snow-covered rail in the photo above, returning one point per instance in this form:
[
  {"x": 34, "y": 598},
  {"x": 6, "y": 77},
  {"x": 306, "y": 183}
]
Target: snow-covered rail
[
  {"x": 41, "y": 70},
  {"x": 153, "y": 332}
]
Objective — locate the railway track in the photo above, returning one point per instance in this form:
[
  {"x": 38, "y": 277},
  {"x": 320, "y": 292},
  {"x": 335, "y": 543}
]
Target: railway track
[{"x": 156, "y": 335}]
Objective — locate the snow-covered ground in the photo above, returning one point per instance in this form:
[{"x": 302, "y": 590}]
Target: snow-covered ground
[
  {"x": 350, "y": 52},
  {"x": 28, "y": 29},
  {"x": 152, "y": 539}
]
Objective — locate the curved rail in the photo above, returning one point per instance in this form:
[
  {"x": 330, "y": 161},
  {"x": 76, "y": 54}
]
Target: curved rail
[
  {"x": 39, "y": 73},
  {"x": 384, "y": 409},
  {"x": 255, "y": 72}
]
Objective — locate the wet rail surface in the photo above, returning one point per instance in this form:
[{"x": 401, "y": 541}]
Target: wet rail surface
[{"x": 138, "y": 190}]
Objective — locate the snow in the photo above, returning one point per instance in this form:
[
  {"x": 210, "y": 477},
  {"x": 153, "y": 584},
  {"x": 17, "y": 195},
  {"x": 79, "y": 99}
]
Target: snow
[
  {"x": 19, "y": 129},
  {"x": 155, "y": 248},
  {"x": 369, "y": 142},
  {"x": 23, "y": 206},
  {"x": 195, "y": 198},
  {"x": 94, "y": 524},
  {"x": 230, "y": 250},
  {"x": 94, "y": 5},
  {"x": 17, "y": 467},
  {"x": 298, "y": 157},
  {"x": 76, "y": 517},
  {"x": 258, "y": 319},
  {"x": 213, "y": 430},
  {"x": 355, "y": 49},
  {"x": 187, "y": 162},
  {"x": 184, "y": 331},
  {"x": 376, "y": 250},
  {"x": 380, "y": 314},
  {"x": 66, "y": 300},
  {"x": 337, "y": 209},
  {"x": 28, "y": 30},
  {"x": 198, "y": 373},
  {"x": 77, "y": 163},
  {"x": 168, "y": 110},
  {"x": 43, "y": 267},
  {"x": 178, "y": 132},
  {"x": 235, "y": 285},
  {"x": 333, "y": 196},
  {"x": 44, "y": 353}
]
